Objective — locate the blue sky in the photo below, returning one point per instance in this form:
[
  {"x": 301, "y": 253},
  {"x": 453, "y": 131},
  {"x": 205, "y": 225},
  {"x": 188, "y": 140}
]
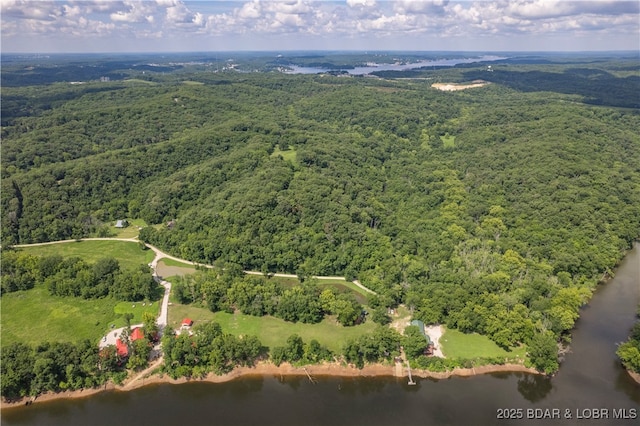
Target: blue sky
[{"x": 217, "y": 25}]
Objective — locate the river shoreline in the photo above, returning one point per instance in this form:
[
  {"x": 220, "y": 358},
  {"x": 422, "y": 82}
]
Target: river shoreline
[
  {"x": 634, "y": 376},
  {"x": 269, "y": 369}
]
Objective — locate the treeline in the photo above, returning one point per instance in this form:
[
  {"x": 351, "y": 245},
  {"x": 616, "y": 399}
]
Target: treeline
[
  {"x": 28, "y": 370},
  {"x": 232, "y": 290},
  {"x": 209, "y": 349},
  {"x": 53, "y": 367},
  {"x": 77, "y": 278},
  {"x": 629, "y": 351},
  {"x": 597, "y": 86}
]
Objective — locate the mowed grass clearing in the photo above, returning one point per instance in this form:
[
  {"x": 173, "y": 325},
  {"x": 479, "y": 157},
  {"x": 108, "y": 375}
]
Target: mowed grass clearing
[
  {"x": 456, "y": 344},
  {"x": 131, "y": 231},
  {"x": 128, "y": 254},
  {"x": 34, "y": 316},
  {"x": 287, "y": 155},
  {"x": 270, "y": 330}
]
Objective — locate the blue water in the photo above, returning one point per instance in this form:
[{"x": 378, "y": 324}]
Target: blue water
[{"x": 294, "y": 69}]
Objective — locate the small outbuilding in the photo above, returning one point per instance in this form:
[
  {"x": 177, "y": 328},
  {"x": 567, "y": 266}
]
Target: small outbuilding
[
  {"x": 420, "y": 326},
  {"x": 137, "y": 334},
  {"x": 187, "y": 322},
  {"x": 121, "y": 348},
  {"x": 122, "y": 223}
]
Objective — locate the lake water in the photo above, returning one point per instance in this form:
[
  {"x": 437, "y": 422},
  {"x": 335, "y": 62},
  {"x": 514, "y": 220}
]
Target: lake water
[
  {"x": 294, "y": 69},
  {"x": 590, "y": 383}
]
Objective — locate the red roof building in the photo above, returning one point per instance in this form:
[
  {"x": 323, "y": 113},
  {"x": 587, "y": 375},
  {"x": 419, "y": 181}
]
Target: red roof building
[
  {"x": 187, "y": 322},
  {"x": 137, "y": 334},
  {"x": 122, "y": 348}
]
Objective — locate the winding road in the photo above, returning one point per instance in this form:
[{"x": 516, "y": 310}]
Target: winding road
[
  {"x": 160, "y": 255},
  {"x": 162, "y": 321}
]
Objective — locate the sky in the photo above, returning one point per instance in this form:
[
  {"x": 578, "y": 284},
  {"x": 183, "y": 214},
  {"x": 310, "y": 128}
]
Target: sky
[{"x": 65, "y": 26}]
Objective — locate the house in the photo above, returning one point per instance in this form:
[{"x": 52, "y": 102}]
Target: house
[
  {"x": 121, "y": 348},
  {"x": 136, "y": 334},
  {"x": 187, "y": 322},
  {"x": 122, "y": 223}
]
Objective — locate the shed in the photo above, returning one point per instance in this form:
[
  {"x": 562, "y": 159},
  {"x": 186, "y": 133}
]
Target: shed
[
  {"x": 122, "y": 223},
  {"x": 187, "y": 322},
  {"x": 420, "y": 326}
]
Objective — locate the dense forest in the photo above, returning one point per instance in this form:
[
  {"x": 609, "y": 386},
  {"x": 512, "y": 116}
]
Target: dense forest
[
  {"x": 629, "y": 351},
  {"x": 495, "y": 210}
]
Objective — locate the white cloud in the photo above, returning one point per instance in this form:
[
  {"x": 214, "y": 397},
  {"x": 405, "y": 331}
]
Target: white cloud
[
  {"x": 22, "y": 9},
  {"x": 361, "y": 3},
  {"x": 136, "y": 11},
  {"x": 407, "y": 23},
  {"x": 420, "y": 6},
  {"x": 250, "y": 10}
]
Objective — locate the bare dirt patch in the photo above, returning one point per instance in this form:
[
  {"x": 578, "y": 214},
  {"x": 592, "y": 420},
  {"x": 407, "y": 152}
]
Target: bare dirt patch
[
  {"x": 435, "y": 332},
  {"x": 400, "y": 319},
  {"x": 453, "y": 87}
]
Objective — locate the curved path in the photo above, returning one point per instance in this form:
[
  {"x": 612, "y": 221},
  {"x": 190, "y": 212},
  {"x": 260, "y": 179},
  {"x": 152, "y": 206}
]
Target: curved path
[
  {"x": 160, "y": 254},
  {"x": 163, "y": 317}
]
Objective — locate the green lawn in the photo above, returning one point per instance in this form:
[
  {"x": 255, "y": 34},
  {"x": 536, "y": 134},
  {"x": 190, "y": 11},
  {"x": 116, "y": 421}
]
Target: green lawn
[
  {"x": 448, "y": 141},
  {"x": 130, "y": 231},
  {"x": 287, "y": 155},
  {"x": 270, "y": 330},
  {"x": 455, "y": 344},
  {"x": 34, "y": 316},
  {"x": 171, "y": 262},
  {"x": 137, "y": 309},
  {"x": 129, "y": 254}
]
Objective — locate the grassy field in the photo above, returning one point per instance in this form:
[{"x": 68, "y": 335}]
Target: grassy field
[
  {"x": 171, "y": 262},
  {"x": 128, "y": 254},
  {"x": 271, "y": 331},
  {"x": 137, "y": 309},
  {"x": 35, "y": 316},
  {"x": 448, "y": 141},
  {"x": 455, "y": 344},
  {"x": 288, "y": 154},
  {"x": 130, "y": 231}
]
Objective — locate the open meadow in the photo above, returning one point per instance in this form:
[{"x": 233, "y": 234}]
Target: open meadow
[
  {"x": 128, "y": 254},
  {"x": 456, "y": 344},
  {"x": 270, "y": 330}
]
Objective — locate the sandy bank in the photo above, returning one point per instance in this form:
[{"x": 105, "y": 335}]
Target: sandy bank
[
  {"x": 269, "y": 369},
  {"x": 634, "y": 376}
]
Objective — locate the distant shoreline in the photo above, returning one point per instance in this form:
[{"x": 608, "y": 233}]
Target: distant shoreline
[{"x": 269, "y": 369}]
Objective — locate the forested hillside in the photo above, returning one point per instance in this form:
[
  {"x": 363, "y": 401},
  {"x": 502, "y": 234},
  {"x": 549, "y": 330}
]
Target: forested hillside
[{"x": 493, "y": 210}]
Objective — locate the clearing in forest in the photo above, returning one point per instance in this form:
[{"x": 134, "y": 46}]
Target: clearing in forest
[{"x": 453, "y": 87}]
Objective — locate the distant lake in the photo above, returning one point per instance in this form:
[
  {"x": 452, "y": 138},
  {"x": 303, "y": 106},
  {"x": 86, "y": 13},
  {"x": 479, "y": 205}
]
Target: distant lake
[{"x": 295, "y": 69}]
